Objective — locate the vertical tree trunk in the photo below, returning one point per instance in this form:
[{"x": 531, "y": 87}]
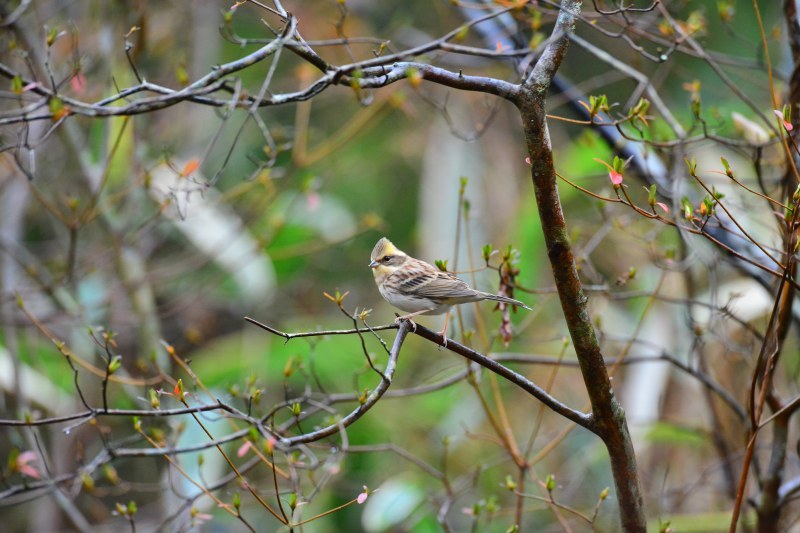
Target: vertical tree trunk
[{"x": 607, "y": 415}]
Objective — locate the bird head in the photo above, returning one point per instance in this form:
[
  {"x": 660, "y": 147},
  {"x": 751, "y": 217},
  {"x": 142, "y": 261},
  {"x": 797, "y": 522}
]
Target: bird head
[{"x": 386, "y": 258}]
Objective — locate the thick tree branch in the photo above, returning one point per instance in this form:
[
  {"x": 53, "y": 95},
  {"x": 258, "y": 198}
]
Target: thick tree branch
[{"x": 607, "y": 414}]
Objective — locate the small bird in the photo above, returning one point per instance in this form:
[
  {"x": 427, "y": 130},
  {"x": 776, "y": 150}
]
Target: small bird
[{"x": 418, "y": 288}]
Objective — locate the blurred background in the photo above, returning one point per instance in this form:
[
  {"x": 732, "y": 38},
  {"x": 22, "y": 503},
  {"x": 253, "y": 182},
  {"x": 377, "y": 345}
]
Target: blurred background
[{"x": 164, "y": 229}]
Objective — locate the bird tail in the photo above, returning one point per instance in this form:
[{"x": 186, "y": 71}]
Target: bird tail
[{"x": 505, "y": 300}]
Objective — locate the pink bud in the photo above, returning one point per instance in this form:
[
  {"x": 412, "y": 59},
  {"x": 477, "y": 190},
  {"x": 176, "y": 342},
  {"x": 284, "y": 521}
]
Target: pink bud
[
  {"x": 786, "y": 123},
  {"x": 78, "y": 82},
  {"x": 24, "y": 467},
  {"x": 243, "y": 449}
]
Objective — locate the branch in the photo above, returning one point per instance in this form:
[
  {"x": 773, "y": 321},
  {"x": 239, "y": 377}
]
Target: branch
[
  {"x": 290, "y": 336},
  {"x": 370, "y": 401},
  {"x": 582, "y": 419},
  {"x": 380, "y": 77},
  {"x": 608, "y": 416},
  {"x": 545, "y": 69},
  {"x": 100, "y": 412}
]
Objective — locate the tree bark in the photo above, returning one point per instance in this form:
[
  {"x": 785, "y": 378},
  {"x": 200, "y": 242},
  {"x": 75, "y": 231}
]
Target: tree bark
[{"x": 608, "y": 417}]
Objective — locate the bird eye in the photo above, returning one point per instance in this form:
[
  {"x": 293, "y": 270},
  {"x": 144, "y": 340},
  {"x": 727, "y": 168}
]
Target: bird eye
[{"x": 387, "y": 258}]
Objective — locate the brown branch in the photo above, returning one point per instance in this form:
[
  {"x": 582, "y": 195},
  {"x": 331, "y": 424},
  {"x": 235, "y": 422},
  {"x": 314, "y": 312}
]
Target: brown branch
[
  {"x": 581, "y": 419},
  {"x": 607, "y": 415}
]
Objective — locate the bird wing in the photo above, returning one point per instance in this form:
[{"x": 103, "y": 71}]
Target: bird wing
[{"x": 425, "y": 281}]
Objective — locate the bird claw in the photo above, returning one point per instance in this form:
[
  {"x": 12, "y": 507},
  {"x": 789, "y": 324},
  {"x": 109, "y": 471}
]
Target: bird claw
[
  {"x": 401, "y": 318},
  {"x": 444, "y": 339}
]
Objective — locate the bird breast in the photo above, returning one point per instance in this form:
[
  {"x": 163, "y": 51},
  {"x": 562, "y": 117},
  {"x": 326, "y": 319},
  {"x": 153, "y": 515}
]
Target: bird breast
[{"x": 410, "y": 303}]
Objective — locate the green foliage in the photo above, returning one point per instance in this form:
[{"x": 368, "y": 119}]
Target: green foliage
[{"x": 672, "y": 434}]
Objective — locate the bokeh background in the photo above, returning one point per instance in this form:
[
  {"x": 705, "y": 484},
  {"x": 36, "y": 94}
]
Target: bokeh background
[{"x": 167, "y": 228}]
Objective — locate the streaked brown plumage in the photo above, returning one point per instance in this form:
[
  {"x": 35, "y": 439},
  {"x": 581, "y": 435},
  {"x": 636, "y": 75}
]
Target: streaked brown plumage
[{"x": 419, "y": 288}]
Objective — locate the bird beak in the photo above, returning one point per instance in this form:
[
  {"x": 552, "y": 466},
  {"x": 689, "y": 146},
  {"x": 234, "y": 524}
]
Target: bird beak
[{"x": 373, "y": 264}]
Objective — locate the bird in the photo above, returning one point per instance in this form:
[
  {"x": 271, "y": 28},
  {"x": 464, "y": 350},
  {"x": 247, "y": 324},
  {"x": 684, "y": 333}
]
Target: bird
[{"x": 418, "y": 288}]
